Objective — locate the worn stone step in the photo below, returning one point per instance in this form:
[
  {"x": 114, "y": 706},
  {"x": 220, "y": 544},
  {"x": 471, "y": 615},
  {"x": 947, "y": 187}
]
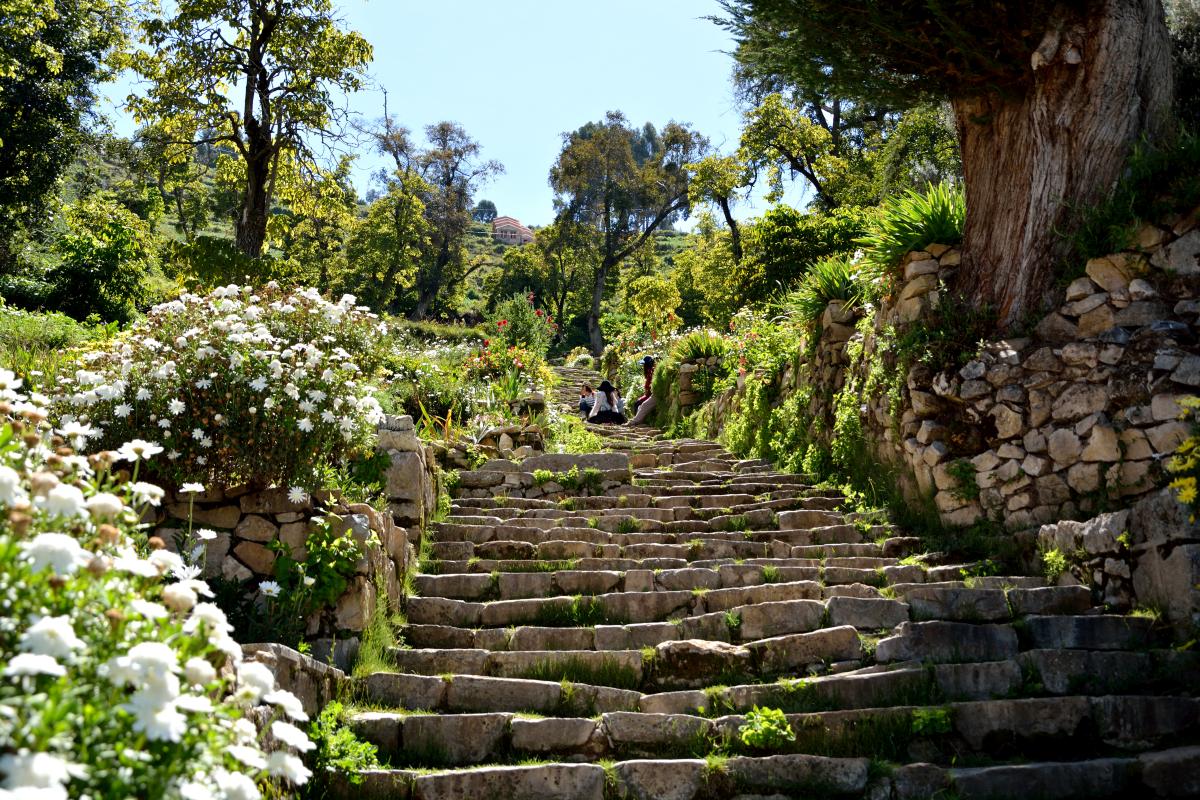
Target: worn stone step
[
  {"x": 1007, "y": 728},
  {"x": 1096, "y": 632},
  {"x": 947, "y": 642},
  {"x": 619, "y": 668},
  {"x": 474, "y": 693},
  {"x": 862, "y": 688}
]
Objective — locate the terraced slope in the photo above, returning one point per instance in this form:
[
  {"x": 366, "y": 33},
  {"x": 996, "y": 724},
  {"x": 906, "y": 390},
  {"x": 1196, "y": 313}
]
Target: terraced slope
[{"x": 614, "y": 641}]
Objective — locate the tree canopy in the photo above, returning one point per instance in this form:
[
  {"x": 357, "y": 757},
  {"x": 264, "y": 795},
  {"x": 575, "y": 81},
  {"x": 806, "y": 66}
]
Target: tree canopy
[{"x": 288, "y": 61}]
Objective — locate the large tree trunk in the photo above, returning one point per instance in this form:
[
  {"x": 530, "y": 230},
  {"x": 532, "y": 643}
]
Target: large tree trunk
[
  {"x": 251, "y": 227},
  {"x": 595, "y": 335},
  {"x": 1031, "y": 162}
]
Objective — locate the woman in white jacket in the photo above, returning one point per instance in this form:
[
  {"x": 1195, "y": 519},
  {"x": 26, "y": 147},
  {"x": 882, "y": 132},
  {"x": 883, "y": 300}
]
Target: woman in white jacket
[{"x": 606, "y": 409}]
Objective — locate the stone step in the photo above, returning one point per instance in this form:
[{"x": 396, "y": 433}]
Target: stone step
[
  {"x": 1173, "y": 772},
  {"x": 1008, "y": 728},
  {"x": 476, "y": 694}
]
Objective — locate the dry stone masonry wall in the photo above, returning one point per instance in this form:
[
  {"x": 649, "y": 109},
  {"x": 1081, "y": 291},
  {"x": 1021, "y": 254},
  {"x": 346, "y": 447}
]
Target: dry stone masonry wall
[
  {"x": 248, "y": 524},
  {"x": 1077, "y": 416}
]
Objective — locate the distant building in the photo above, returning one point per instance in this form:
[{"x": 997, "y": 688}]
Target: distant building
[{"x": 510, "y": 231}]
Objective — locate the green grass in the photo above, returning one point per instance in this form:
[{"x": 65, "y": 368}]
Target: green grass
[
  {"x": 38, "y": 346},
  {"x": 580, "y": 612}
]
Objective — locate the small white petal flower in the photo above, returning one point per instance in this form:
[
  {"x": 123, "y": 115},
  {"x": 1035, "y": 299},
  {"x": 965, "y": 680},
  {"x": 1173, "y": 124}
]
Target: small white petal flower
[
  {"x": 122, "y": 410},
  {"x": 269, "y": 588},
  {"x": 291, "y": 736},
  {"x": 176, "y": 407},
  {"x": 33, "y": 664},
  {"x": 199, "y": 672},
  {"x": 51, "y": 636},
  {"x": 288, "y": 703},
  {"x": 58, "y": 551},
  {"x": 147, "y": 493},
  {"x": 189, "y": 488},
  {"x": 297, "y": 495},
  {"x": 287, "y": 766},
  {"x": 105, "y": 505},
  {"x": 138, "y": 449}
]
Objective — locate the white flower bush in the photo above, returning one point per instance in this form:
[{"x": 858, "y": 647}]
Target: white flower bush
[
  {"x": 118, "y": 676},
  {"x": 258, "y": 386}
]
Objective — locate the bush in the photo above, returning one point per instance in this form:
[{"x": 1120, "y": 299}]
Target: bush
[
  {"x": 784, "y": 241},
  {"x": 519, "y": 323},
  {"x": 826, "y": 281},
  {"x": 237, "y": 387},
  {"x": 914, "y": 221},
  {"x": 106, "y": 255},
  {"x": 118, "y": 679},
  {"x": 700, "y": 344},
  {"x": 36, "y": 346},
  {"x": 1158, "y": 181}
]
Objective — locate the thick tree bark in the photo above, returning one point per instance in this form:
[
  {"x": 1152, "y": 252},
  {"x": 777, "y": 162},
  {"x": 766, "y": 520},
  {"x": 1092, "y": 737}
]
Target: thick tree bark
[
  {"x": 1100, "y": 81},
  {"x": 595, "y": 335},
  {"x": 251, "y": 227}
]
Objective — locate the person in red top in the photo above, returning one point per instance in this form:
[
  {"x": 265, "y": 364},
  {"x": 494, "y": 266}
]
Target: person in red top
[{"x": 644, "y": 404}]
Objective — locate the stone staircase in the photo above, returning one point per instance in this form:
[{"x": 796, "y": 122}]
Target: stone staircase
[{"x": 610, "y": 641}]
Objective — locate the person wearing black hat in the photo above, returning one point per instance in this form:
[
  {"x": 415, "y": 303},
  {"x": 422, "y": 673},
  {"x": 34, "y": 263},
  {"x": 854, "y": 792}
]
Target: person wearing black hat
[
  {"x": 644, "y": 404},
  {"x": 607, "y": 405}
]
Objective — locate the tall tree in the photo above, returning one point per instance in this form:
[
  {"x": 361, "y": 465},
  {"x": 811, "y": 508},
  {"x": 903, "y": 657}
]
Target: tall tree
[
  {"x": 485, "y": 211},
  {"x": 52, "y": 53},
  {"x": 437, "y": 182},
  {"x": 260, "y": 76},
  {"x": 453, "y": 169},
  {"x": 1049, "y": 97},
  {"x": 625, "y": 184},
  {"x": 720, "y": 179}
]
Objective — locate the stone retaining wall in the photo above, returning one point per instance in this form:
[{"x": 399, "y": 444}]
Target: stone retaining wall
[
  {"x": 1145, "y": 556},
  {"x": 247, "y": 523},
  {"x": 1076, "y": 417}
]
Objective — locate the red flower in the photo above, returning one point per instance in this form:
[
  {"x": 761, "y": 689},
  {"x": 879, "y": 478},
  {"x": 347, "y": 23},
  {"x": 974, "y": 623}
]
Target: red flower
[
  {"x": 538, "y": 312},
  {"x": 502, "y": 323}
]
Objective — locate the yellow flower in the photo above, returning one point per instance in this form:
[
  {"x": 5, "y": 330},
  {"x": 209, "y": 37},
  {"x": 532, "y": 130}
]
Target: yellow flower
[{"x": 1185, "y": 488}]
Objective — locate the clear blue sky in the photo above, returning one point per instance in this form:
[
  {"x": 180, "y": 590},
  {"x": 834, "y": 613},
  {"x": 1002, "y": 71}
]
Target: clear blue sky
[{"x": 519, "y": 74}]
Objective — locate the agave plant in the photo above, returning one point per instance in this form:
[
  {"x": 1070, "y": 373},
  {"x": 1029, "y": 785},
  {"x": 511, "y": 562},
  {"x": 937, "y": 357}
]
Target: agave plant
[{"x": 915, "y": 220}]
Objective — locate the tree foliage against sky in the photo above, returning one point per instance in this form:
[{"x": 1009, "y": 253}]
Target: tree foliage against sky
[
  {"x": 624, "y": 183},
  {"x": 52, "y": 54},
  {"x": 261, "y": 76},
  {"x": 1012, "y": 71}
]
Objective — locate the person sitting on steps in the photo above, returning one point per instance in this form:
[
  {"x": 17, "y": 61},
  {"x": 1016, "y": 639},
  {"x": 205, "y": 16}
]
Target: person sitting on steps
[
  {"x": 644, "y": 404},
  {"x": 606, "y": 408},
  {"x": 587, "y": 399}
]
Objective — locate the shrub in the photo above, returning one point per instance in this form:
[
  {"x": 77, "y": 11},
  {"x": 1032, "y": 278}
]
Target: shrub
[
  {"x": 118, "y": 679},
  {"x": 700, "y": 344},
  {"x": 915, "y": 220},
  {"x": 519, "y": 323},
  {"x": 766, "y": 729},
  {"x": 826, "y": 281},
  {"x": 106, "y": 254},
  {"x": 784, "y": 241},
  {"x": 338, "y": 751},
  {"x": 1158, "y": 181},
  {"x": 237, "y": 387}
]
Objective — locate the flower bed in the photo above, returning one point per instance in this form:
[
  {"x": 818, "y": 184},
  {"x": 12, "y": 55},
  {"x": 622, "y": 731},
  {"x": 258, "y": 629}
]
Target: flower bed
[
  {"x": 118, "y": 675},
  {"x": 260, "y": 387}
]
